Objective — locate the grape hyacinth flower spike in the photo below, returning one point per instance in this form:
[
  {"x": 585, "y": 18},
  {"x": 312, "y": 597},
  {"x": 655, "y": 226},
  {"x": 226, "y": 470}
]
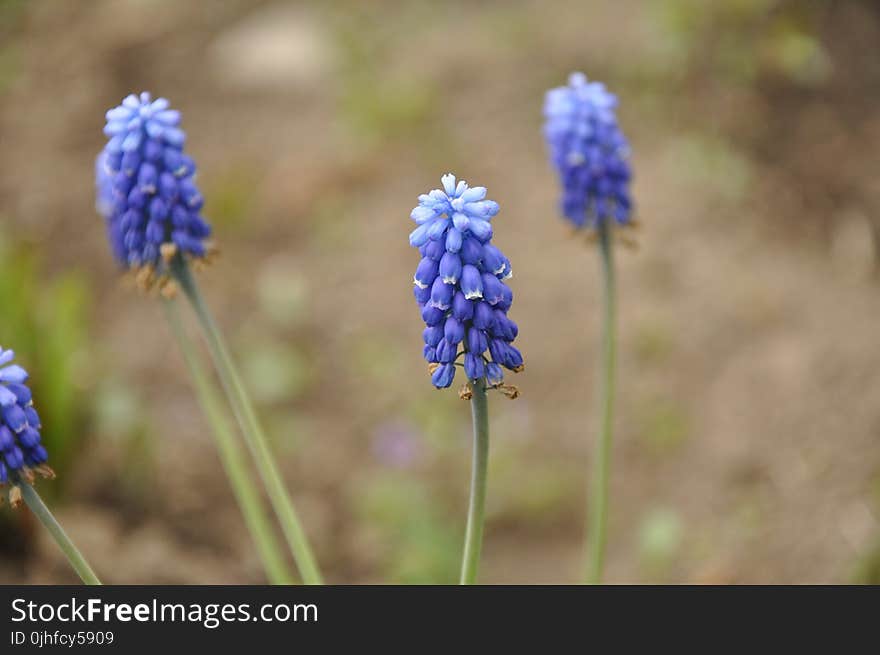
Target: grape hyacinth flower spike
[
  {"x": 22, "y": 455},
  {"x": 146, "y": 191},
  {"x": 590, "y": 155},
  {"x": 463, "y": 299}
]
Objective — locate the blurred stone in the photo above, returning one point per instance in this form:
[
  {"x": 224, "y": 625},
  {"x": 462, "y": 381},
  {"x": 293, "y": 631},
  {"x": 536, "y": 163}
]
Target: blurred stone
[{"x": 276, "y": 47}]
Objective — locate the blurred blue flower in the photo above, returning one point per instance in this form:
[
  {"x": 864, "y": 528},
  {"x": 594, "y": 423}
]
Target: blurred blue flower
[
  {"x": 145, "y": 186},
  {"x": 589, "y": 152},
  {"x": 397, "y": 444},
  {"x": 20, "y": 447},
  {"x": 459, "y": 285}
]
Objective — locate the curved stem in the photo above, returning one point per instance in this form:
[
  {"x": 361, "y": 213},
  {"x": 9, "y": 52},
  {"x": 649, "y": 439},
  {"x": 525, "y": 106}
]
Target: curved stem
[
  {"x": 240, "y": 477},
  {"x": 250, "y": 427},
  {"x": 76, "y": 559},
  {"x": 602, "y": 458},
  {"x": 473, "y": 539}
]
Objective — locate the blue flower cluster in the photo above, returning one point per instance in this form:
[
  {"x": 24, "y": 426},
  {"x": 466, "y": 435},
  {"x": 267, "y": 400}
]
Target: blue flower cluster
[
  {"x": 145, "y": 186},
  {"x": 19, "y": 423},
  {"x": 589, "y": 152},
  {"x": 459, "y": 285}
]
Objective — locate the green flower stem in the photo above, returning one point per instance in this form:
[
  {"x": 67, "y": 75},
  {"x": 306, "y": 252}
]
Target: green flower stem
[
  {"x": 473, "y": 539},
  {"x": 76, "y": 559},
  {"x": 240, "y": 478},
  {"x": 250, "y": 426},
  {"x": 602, "y": 459}
]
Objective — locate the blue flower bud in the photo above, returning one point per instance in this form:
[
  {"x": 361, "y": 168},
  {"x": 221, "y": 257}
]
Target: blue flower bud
[
  {"x": 505, "y": 354},
  {"x": 434, "y": 250},
  {"x": 453, "y": 330},
  {"x": 419, "y": 236},
  {"x": 432, "y": 335},
  {"x": 474, "y": 194},
  {"x": 441, "y": 294},
  {"x": 429, "y": 353},
  {"x": 446, "y": 351},
  {"x": 477, "y": 342},
  {"x": 474, "y": 366},
  {"x": 514, "y": 357},
  {"x": 7, "y": 440},
  {"x": 493, "y": 292},
  {"x": 6, "y": 397},
  {"x": 14, "y": 458},
  {"x": 13, "y": 416},
  {"x": 29, "y": 437},
  {"x": 482, "y": 230},
  {"x": 190, "y": 195},
  {"x": 422, "y": 294},
  {"x": 155, "y": 232},
  {"x": 36, "y": 456},
  {"x": 443, "y": 376},
  {"x": 148, "y": 178},
  {"x": 462, "y": 308},
  {"x": 32, "y": 417},
  {"x": 137, "y": 201},
  {"x": 454, "y": 240},
  {"x": 432, "y": 315},
  {"x": 503, "y": 327},
  {"x": 493, "y": 259},
  {"x": 422, "y": 214},
  {"x": 471, "y": 282},
  {"x": 483, "y": 316},
  {"x": 506, "y": 298},
  {"x": 496, "y": 349},
  {"x": 471, "y": 251},
  {"x": 180, "y": 217},
  {"x": 130, "y": 164},
  {"x": 158, "y": 210},
  {"x": 426, "y": 273},
  {"x": 494, "y": 374},
  {"x": 437, "y": 229},
  {"x": 450, "y": 268},
  {"x": 13, "y": 374},
  {"x": 153, "y": 154}
]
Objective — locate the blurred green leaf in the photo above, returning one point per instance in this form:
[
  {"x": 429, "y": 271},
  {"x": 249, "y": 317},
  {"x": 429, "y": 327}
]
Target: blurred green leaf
[
  {"x": 46, "y": 322},
  {"x": 422, "y": 547},
  {"x": 276, "y": 372},
  {"x": 660, "y": 538},
  {"x": 663, "y": 425}
]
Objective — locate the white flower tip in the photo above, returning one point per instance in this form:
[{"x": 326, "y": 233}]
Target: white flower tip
[{"x": 448, "y": 181}]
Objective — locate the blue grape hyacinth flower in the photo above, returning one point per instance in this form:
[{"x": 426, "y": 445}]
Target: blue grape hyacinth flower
[
  {"x": 146, "y": 189},
  {"x": 589, "y": 152},
  {"x": 459, "y": 286},
  {"x": 20, "y": 447}
]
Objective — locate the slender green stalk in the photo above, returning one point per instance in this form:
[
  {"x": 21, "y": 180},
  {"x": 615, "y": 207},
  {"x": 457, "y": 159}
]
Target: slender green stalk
[
  {"x": 76, "y": 559},
  {"x": 240, "y": 478},
  {"x": 602, "y": 459},
  {"x": 473, "y": 539},
  {"x": 250, "y": 427}
]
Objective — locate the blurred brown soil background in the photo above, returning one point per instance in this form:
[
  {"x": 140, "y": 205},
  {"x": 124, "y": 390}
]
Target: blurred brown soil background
[{"x": 746, "y": 446}]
